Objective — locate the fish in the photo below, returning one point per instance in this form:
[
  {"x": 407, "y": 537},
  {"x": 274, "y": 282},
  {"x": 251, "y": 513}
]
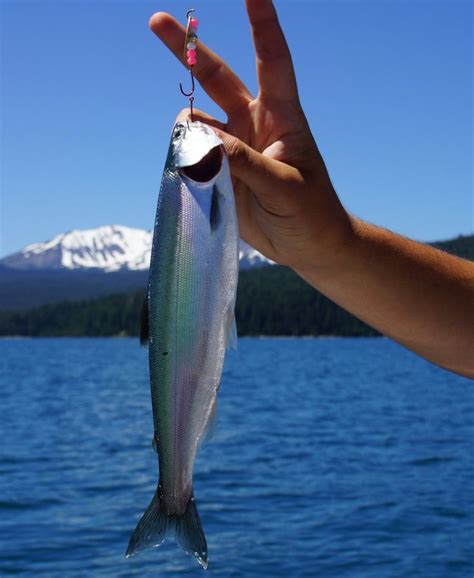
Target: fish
[{"x": 188, "y": 322}]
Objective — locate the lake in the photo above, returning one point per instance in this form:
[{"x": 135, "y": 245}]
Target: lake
[{"x": 331, "y": 458}]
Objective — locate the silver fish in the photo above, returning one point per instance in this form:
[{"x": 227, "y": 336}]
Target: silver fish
[{"x": 188, "y": 322}]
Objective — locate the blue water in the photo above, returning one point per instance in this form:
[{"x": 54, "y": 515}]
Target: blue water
[{"x": 331, "y": 458}]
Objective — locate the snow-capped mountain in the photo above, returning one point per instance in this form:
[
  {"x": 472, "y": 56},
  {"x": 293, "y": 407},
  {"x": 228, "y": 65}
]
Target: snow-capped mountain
[
  {"x": 250, "y": 257},
  {"x": 109, "y": 248}
]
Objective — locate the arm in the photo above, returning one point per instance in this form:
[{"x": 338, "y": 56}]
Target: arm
[
  {"x": 288, "y": 209},
  {"x": 419, "y": 296}
]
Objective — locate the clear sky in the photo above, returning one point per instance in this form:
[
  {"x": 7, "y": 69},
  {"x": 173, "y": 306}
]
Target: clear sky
[{"x": 89, "y": 96}]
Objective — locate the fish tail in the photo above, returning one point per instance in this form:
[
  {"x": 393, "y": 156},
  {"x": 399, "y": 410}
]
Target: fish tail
[
  {"x": 156, "y": 525},
  {"x": 189, "y": 533}
]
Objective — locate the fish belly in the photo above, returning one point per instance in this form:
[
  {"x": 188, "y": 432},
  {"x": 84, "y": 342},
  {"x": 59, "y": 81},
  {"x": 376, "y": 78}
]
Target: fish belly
[{"x": 188, "y": 311}]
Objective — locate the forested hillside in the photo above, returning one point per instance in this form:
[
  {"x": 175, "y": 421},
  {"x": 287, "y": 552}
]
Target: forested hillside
[
  {"x": 272, "y": 300},
  {"x": 462, "y": 246}
]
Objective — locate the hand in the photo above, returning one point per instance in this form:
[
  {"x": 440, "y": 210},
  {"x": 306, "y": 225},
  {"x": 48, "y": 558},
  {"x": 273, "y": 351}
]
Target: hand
[
  {"x": 289, "y": 211},
  {"x": 286, "y": 205}
]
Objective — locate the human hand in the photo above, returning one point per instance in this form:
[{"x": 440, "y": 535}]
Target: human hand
[
  {"x": 286, "y": 205},
  {"x": 288, "y": 209}
]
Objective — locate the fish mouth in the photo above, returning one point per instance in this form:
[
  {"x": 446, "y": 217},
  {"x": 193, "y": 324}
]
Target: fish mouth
[{"x": 207, "y": 168}]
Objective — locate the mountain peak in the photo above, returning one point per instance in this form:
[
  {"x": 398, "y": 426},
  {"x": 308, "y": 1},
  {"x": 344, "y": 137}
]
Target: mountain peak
[{"x": 109, "y": 248}]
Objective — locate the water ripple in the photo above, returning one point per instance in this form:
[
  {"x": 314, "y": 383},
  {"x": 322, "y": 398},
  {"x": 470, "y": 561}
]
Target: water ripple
[{"x": 337, "y": 458}]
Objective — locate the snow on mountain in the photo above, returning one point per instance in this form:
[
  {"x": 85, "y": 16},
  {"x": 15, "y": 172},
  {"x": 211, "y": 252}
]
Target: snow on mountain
[
  {"x": 250, "y": 257},
  {"x": 110, "y": 248}
]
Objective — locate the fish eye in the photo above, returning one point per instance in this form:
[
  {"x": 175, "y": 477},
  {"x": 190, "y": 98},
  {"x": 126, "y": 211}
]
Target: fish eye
[{"x": 178, "y": 132}]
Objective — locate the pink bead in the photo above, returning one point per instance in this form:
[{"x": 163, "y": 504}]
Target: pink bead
[
  {"x": 191, "y": 53},
  {"x": 193, "y": 23},
  {"x": 192, "y": 61}
]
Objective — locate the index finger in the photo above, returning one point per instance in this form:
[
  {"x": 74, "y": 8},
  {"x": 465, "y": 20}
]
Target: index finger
[
  {"x": 275, "y": 71},
  {"x": 216, "y": 78}
]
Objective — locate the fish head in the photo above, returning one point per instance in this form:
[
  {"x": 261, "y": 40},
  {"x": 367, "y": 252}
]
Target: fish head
[{"x": 195, "y": 151}]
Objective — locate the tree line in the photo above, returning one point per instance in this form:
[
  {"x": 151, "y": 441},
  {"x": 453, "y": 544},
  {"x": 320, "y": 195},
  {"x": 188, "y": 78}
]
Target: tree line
[{"x": 272, "y": 300}]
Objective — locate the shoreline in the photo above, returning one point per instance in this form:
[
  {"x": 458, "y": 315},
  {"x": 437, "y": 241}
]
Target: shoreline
[{"x": 135, "y": 337}]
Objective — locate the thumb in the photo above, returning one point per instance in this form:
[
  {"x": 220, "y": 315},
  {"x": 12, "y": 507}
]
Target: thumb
[{"x": 271, "y": 181}]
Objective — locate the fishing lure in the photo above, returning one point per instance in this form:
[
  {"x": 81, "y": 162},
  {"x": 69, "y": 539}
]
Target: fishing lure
[{"x": 190, "y": 55}]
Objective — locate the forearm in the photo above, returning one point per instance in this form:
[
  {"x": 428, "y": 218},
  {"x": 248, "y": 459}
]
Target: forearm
[
  {"x": 288, "y": 210},
  {"x": 419, "y": 296}
]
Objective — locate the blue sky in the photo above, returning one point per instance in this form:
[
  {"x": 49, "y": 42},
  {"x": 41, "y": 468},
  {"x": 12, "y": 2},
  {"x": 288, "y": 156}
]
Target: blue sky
[{"x": 89, "y": 96}]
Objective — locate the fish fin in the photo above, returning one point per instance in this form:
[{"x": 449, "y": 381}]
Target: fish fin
[
  {"x": 231, "y": 331},
  {"x": 190, "y": 535},
  {"x": 154, "y": 444},
  {"x": 155, "y": 525},
  {"x": 151, "y": 530},
  {"x": 144, "y": 324},
  {"x": 211, "y": 425},
  {"x": 215, "y": 213}
]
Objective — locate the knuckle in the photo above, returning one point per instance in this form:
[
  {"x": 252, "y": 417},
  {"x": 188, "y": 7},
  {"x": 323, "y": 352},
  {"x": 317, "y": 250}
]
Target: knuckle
[{"x": 238, "y": 154}]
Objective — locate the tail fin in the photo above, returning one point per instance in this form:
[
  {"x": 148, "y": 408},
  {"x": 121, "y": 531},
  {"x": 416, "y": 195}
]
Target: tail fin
[{"x": 156, "y": 525}]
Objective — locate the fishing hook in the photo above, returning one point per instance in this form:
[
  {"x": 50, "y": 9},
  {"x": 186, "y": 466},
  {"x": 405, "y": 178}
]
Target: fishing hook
[{"x": 192, "y": 85}]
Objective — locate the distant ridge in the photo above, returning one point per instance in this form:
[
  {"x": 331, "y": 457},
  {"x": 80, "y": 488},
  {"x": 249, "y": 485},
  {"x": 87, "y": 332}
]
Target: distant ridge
[
  {"x": 23, "y": 289},
  {"x": 462, "y": 246},
  {"x": 109, "y": 249},
  {"x": 84, "y": 264},
  {"x": 270, "y": 301}
]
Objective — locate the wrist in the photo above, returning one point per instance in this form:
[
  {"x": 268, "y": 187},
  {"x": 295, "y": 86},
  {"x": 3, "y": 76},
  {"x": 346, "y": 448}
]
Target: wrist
[{"x": 329, "y": 258}]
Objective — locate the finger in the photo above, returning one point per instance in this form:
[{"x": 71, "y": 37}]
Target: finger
[
  {"x": 275, "y": 71},
  {"x": 201, "y": 116},
  {"x": 269, "y": 180},
  {"x": 216, "y": 78}
]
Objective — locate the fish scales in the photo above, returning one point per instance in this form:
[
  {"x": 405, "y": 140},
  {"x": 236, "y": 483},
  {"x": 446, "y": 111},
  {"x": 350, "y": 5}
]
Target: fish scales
[{"x": 190, "y": 321}]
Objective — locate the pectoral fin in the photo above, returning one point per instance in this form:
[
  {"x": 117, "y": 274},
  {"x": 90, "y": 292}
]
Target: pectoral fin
[
  {"x": 231, "y": 331},
  {"x": 210, "y": 426},
  {"x": 215, "y": 214}
]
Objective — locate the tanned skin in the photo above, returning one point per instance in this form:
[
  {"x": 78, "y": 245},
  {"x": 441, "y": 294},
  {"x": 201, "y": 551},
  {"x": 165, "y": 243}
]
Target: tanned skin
[{"x": 288, "y": 209}]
